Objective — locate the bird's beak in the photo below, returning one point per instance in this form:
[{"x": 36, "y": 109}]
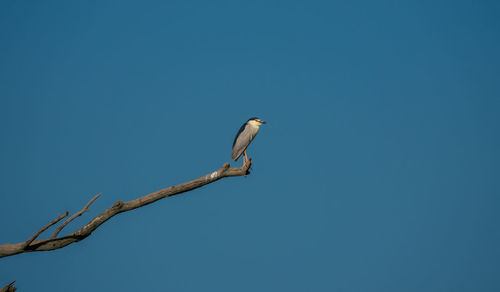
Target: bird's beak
[{"x": 262, "y": 122}]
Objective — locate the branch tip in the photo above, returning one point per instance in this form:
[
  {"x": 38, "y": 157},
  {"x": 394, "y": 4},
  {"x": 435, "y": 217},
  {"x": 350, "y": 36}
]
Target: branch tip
[{"x": 9, "y": 288}]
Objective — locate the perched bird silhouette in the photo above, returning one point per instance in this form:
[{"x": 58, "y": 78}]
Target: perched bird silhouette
[{"x": 243, "y": 138}]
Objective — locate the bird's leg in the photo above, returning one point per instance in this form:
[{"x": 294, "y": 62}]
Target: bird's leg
[{"x": 245, "y": 158}]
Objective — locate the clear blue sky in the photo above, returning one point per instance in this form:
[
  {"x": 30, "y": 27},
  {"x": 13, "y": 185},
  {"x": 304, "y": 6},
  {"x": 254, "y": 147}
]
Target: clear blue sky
[{"x": 379, "y": 169}]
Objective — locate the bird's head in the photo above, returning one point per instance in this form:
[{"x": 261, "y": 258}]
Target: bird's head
[{"x": 255, "y": 122}]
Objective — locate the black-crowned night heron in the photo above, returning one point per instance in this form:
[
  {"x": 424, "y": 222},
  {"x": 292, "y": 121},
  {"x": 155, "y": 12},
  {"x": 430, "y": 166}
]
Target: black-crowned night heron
[{"x": 245, "y": 135}]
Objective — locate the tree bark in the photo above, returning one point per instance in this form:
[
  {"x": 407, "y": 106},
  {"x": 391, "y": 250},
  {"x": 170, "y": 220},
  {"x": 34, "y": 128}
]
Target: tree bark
[{"x": 55, "y": 242}]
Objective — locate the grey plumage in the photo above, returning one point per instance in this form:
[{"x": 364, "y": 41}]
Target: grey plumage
[
  {"x": 242, "y": 140},
  {"x": 244, "y": 136}
]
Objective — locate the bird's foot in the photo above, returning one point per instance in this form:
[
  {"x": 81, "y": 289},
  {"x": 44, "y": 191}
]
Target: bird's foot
[{"x": 248, "y": 165}]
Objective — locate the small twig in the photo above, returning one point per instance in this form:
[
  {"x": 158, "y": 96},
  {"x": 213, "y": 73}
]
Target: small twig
[
  {"x": 85, "y": 209},
  {"x": 9, "y": 288},
  {"x": 59, "y": 217}
]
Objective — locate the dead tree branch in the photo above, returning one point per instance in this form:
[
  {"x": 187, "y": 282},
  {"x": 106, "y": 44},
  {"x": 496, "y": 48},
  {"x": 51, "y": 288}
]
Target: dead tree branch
[
  {"x": 9, "y": 288},
  {"x": 119, "y": 207}
]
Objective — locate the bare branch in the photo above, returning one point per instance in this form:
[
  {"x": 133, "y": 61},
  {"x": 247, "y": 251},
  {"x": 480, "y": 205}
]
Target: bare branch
[
  {"x": 9, "y": 288},
  {"x": 59, "y": 217},
  {"x": 118, "y": 207},
  {"x": 85, "y": 209}
]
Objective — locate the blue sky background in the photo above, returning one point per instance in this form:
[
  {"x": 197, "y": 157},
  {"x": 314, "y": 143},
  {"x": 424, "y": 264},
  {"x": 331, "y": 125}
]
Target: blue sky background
[{"x": 379, "y": 169}]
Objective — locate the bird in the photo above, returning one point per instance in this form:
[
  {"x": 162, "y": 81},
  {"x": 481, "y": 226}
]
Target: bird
[{"x": 245, "y": 135}]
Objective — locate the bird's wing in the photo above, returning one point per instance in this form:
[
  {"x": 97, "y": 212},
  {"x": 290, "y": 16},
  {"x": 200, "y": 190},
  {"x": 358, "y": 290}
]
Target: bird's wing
[
  {"x": 241, "y": 142},
  {"x": 238, "y": 134}
]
